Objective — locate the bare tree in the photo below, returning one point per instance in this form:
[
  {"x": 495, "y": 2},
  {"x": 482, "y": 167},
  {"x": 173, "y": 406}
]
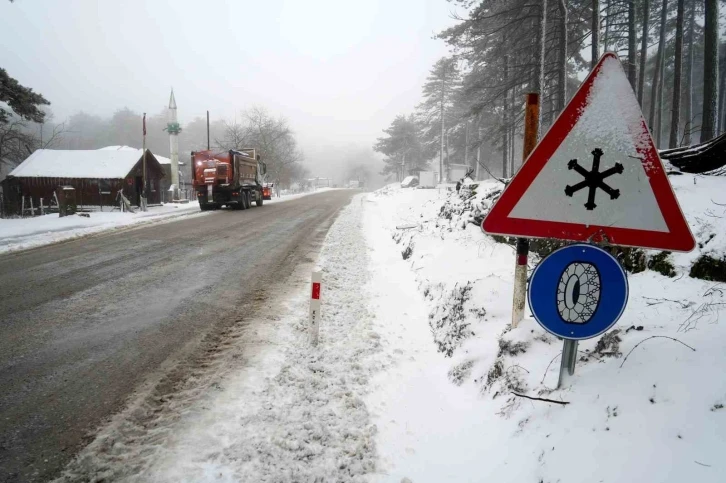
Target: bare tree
[{"x": 270, "y": 136}]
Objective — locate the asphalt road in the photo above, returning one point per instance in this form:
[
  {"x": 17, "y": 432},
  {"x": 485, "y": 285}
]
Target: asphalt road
[{"x": 84, "y": 323}]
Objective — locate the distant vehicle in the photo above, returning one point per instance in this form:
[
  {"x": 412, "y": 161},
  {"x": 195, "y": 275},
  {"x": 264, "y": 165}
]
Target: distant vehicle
[
  {"x": 427, "y": 179},
  {"x": 354, "y": 183},
  {"x": 267, "y": 191},
  {"x": 232, "y": 178},
  {"x": 409, "y": 182}
]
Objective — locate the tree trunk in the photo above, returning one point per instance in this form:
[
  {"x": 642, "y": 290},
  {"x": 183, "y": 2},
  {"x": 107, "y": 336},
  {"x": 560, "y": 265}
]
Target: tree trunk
[
  {"x": 676, "y": 112},
  {"x": 466, "y": 142},
  {"x": 632, "y": 42},
  {"x": 505, "y": 130},
  {"x": 539, "y": 82},
  {"x": 607, "y": 26},
  {"x": 710, "y": 71},
  {"x": 443, "y": 126},
  {"x": 595, "y": 50},
  {"x": 656, "y": 74},
  {"x": 689, "y": 79},
  {"x": 562, "y": 60},
  {"x": 478, "y": 148},
  {"x": 721, "y": 90},
  {"x": 659, "y": 118},
  {"x": 512, "y": 131},
  {"x": 643, "y": 51}
]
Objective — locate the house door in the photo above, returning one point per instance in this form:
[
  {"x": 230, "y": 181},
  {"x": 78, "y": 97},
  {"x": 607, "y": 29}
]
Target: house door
[{"x": 139, "y": 188}]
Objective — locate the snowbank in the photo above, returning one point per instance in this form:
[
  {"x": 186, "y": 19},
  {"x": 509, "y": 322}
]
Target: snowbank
[
  {"x": 640, "y": 408},
  {"x": 22, "y": 233}
]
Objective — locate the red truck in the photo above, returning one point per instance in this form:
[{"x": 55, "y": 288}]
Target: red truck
[{"x": 231, "y": 178}]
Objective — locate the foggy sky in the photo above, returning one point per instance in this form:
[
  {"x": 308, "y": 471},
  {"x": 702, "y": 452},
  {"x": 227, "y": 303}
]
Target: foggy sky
[{"x": 338, "y": 70}]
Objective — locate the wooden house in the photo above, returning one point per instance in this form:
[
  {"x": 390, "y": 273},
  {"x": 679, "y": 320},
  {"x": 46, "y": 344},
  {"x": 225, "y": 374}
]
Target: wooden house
[{"x": 96, "y": 175}]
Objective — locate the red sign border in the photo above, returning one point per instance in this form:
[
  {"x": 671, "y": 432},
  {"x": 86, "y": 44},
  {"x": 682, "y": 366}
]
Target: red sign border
[{"x": 498, "y": 221}]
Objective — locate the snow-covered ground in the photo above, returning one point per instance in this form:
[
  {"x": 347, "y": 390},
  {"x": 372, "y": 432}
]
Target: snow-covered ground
[
  {"x": 446, "y": 410},
  {"x": 23, "y": 233},
  {"x": 417, "y": 366}
]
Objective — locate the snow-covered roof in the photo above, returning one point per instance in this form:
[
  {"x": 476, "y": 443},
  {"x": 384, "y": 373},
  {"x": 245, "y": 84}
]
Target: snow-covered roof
[
  {"x": 118, "y": 148},
  {"x": 78, "y": 164},
  {"x": 160, "y": 159}
]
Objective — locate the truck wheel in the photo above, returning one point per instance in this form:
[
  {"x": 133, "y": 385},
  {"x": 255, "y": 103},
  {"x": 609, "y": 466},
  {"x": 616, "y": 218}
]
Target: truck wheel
[
  {"x": 248, "y": 205},
  {"x": 259, "y": 199},
  {"x": 203, "y": 206}
]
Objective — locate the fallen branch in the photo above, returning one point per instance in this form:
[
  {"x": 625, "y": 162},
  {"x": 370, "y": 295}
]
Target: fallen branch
[
  {"x": 654, "y": 337},
  {"x": 564, "y": 403},
  {"x": 548, "y": 367}
]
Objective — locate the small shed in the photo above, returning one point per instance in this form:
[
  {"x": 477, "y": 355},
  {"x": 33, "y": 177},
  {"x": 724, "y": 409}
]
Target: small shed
[
  {"x": 97, "y": 176},
  {"x": 165, "y": 165}
]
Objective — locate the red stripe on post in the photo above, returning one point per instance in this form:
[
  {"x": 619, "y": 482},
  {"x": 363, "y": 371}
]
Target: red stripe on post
[
  {"x": 316, "y": 291},
  {"x": 521, "y": 259}
]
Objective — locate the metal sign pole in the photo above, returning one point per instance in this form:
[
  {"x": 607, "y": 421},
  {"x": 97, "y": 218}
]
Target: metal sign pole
[{"x": 569, "y": 358}]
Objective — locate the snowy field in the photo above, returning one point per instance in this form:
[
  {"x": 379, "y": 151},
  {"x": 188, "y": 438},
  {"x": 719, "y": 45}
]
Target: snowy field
[
  {"x": 22, "y": 233},
  {"x": 417, "y": 366}
]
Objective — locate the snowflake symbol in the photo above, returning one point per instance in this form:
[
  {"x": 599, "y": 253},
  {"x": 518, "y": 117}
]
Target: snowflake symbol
[{"x": 593, "y": 179}]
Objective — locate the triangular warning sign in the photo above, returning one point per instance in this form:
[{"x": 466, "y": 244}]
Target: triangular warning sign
[{"x": 595, "y": 176}]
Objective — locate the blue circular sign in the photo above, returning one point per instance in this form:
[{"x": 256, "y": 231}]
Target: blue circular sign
[{"x": 578, "y": 292}]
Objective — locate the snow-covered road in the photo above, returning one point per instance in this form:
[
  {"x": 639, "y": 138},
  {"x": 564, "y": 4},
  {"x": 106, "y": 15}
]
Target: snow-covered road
[{"x": 139, "y": 319}]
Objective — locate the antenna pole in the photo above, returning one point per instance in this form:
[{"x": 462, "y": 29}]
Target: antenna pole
[{"x": 207, "y": 130}]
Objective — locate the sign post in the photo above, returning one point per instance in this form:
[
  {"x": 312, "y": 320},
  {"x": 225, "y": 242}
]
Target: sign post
[
  {"x": 577, "y": 292},
  {"x": 594, "y": 178},
  {"x": 315, "y": 288},
  {"x": 531, "y": 127}
]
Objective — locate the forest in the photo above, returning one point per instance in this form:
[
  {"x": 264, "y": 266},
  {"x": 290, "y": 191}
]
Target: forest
[{"x": 471, "y": 110}]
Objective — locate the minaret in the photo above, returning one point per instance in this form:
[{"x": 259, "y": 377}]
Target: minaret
[{"x": 173, "y": 129}]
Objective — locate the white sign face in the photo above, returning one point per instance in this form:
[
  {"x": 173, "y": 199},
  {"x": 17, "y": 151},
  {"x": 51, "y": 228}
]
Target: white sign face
[
  {"x": 608, "y": 122},
  {"x": 595, "y": 175}
]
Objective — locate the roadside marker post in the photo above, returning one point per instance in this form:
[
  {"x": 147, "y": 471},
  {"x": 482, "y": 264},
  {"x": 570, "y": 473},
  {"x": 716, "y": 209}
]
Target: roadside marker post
[
  {"x": 595, "y": 178},
  {"x": 315, "y": 288}
]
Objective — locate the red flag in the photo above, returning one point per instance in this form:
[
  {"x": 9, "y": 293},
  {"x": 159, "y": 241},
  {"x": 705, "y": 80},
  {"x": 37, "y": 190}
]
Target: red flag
[{"x": 144, "y": 124}]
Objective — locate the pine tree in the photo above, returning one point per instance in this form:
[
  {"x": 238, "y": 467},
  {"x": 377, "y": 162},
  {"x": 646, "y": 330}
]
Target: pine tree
[{"x": 435, "y": 112}]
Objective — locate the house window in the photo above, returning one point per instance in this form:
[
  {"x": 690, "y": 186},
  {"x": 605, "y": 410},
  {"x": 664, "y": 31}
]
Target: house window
[{"x": 104, "y": 186}]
